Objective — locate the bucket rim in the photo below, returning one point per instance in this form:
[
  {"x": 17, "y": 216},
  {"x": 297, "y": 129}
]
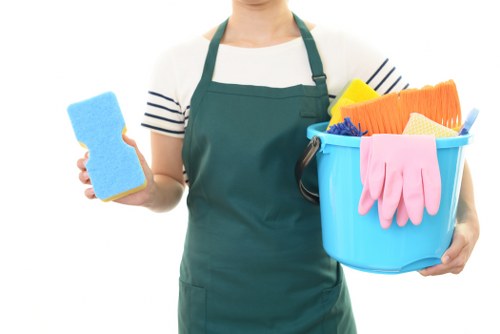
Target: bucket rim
[{"x": 318, "y": 130}]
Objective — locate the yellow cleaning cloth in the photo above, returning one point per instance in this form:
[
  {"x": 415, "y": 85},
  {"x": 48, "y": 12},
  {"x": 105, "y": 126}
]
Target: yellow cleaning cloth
[{"x": 418, "y": 124}]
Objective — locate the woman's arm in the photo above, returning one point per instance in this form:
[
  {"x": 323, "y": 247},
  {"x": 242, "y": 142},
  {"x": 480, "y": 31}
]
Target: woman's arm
[
  {"x": 167, "y": 168},
  {"x": 465, "y": 235},
  {"x": 165, "y": 180}
]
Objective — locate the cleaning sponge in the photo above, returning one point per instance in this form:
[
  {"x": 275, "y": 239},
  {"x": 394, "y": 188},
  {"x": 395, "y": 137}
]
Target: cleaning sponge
[{"x": 113, "y": 166}]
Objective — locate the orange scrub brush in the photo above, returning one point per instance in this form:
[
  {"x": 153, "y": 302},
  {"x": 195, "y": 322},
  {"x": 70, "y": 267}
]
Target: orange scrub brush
[{"x": 390, "y": 113}]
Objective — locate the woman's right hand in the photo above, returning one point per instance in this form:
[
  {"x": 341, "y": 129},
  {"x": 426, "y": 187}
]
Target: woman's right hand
[
  {"x": 165, "y": 179},
  {"x": 140, "y": 198},
  {"x": 84, "y": 175}
]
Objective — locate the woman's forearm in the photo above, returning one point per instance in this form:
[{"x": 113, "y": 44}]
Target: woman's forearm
[
  {"x": 165, "y": 194},
  {"x": 466, "y": 210}
]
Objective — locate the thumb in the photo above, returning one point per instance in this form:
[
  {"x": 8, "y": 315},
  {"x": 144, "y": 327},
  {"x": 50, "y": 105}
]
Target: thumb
[
  {"x": 129, "y": 141},
  {"x": 454, "y": 250}
]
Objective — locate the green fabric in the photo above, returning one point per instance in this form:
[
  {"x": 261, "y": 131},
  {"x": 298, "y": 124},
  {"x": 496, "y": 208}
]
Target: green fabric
[{"x": 253, "y": 259}]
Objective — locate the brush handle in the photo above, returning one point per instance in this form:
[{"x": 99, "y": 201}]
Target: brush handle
[{"x": 471, "y": 118}]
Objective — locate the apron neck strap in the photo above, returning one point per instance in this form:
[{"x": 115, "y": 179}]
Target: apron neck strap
[{"x": 318, "y": 75}]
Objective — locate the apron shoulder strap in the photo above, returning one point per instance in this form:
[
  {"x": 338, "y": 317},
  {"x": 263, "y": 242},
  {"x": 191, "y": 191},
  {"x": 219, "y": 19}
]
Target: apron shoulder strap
[
  {"x": 213, "y": 48},
  {"x": 318, "y": 75}
]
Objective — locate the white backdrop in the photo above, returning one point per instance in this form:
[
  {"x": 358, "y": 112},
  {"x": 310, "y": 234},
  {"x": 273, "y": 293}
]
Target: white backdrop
[{"x": 69, "y": 265}]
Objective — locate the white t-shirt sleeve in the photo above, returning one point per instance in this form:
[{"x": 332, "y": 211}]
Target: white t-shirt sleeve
[
  {"x": 164, "y": 112},
  {"x": 380, "y": 72},
  {"x": 347, "y": 56}
]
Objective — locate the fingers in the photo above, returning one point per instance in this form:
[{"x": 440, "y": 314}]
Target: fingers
[
  {"x": 81, "y": 163},
  {"x": 83, "y": 176},
  {"x": 365, "y": 201},
  {"x": 402, "y": 214},
  {"x": 392, "y": 190},
  {"x": 384, "y": 222},
  {"x": 449, "y": 266},
  {"x": 431, "y": 179},
  {"x": 454, "y": 259},
  {"x": 413, "y": 194},
  {"x": 377, "y": 175},
  {"x": 89, "y": 193},
  {"x": 365, "y": 152}
]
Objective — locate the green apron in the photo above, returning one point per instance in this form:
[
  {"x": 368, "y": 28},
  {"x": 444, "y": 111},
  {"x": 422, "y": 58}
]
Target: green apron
[{"x": 253, "y": 259}]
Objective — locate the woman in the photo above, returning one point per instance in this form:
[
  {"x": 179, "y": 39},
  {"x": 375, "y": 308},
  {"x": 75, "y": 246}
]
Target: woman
[{"x": 232, "y": 109}]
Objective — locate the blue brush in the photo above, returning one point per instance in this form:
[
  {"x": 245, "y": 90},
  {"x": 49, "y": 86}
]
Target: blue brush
[
  {"x": 113, "y": 166},
  {"x": 346, "y": 128},
  {"x": 469, "y": 120}
]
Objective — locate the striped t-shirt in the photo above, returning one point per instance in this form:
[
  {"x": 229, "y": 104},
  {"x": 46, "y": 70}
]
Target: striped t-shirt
[{"x": 179, "y": 70}]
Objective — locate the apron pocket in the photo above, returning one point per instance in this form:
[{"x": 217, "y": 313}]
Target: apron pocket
[
  {"x": 192, "y": 313},
  {"x": 336, "y": 304}
]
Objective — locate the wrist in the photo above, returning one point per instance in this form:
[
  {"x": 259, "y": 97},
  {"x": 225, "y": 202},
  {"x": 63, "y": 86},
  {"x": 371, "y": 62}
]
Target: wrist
[{"x": 471, "y": 220}]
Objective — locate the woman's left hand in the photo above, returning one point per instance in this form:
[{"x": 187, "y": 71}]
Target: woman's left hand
[{"x": 454, "y": 259}]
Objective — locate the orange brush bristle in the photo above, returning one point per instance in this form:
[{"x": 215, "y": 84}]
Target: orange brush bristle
[
  {"x": 440, "y": 103},
  {"x": 390, "y": 113},
  {"x": 372, "y": 115}
]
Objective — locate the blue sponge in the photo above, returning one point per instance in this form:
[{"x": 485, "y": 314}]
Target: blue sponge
[{"x": 113, "y": 166}]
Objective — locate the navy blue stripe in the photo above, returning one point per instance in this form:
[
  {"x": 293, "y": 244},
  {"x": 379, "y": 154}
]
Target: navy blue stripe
[
  {"x": 164, "y": 97},
  {"x": 385, "y": 78},
  {"x": 332, "y": 96},
  {"x": 163, "y": 118},
  {"x": 377, "y": 71},
  {"x": 393, "y": 85},
  {"x": 164, "y": 108},
  {"x": 407, "y": 85},
  {"x": 161, "y": 129}
]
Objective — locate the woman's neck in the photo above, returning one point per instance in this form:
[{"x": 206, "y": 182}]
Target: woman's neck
[{"x": 260, "y": 23}]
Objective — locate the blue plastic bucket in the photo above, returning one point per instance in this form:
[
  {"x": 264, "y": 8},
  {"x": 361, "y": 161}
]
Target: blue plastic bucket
[{"x": 359, "y": 241}]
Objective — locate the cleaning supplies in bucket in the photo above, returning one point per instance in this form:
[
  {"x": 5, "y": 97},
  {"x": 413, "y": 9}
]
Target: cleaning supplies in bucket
[
  {"x": 376, "y": 237},
  {"x": 359, "y": 241}
]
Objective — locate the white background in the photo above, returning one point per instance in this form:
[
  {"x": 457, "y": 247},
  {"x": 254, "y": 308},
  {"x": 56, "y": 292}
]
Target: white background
[{"x": 70, "y": 265}]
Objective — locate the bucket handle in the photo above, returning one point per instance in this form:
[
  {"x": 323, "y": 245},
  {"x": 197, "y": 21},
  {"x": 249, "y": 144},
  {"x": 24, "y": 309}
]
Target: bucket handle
[{"x": 302, "y": 163}]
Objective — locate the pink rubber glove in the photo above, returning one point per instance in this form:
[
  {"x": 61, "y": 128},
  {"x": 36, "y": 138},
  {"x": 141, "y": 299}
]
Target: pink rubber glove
[
  {"x": 366, "y": 201},
  {"x": 396, "y": 168}
]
